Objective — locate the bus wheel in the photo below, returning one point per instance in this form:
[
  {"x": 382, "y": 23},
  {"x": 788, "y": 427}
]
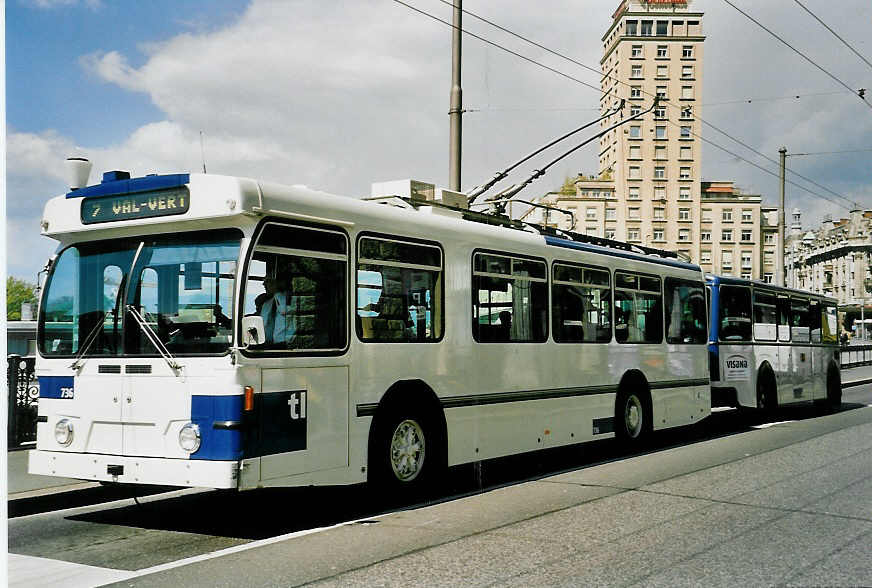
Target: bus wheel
[
  {"x": 767, "y": 402},
  {"x": 834, "y": 388},
  {"x": 406, "y": 452},
  {"x": 632, "y": 419}
]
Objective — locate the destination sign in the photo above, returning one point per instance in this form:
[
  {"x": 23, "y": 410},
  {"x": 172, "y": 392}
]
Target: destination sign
[{"x": 134, "y": 206}]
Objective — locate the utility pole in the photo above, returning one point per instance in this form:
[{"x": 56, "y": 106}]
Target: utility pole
[
  {"x": 456, "y": 107},
  {"x": 782, "y": 277}
]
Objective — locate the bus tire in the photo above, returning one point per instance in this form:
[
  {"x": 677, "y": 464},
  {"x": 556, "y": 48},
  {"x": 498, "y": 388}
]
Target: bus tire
[
  {"x": 834, "y": 388},
  {"x": 767, "y": 398},
  {"x": 406, "y": 457},
  {"x": 633, "y": 419}
]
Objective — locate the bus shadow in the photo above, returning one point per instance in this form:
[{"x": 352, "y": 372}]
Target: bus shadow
[{"x": 265, "y": 513}]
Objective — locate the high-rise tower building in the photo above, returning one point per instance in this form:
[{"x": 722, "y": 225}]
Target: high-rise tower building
[{"x": 654, "y": 48}]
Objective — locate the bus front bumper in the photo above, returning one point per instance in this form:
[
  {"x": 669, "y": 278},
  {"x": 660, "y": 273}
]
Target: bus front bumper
[{"x": 134, "y": 470}]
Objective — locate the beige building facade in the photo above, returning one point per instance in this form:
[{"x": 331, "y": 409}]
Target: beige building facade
[{"x": 648, "y": 189}]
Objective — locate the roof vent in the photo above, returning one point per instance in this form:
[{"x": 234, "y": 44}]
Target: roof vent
[
  {"x": 114, "y": 176},
  {"x": 78, "y": 170}
]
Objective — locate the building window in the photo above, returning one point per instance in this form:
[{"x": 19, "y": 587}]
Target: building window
[
  {"x": 660, "y": 193},
  {"x": 660, "y": 152},
  {"x": 636, "y": 51},
  {"x": 635, "y": 91},
  {"x": 684, "y": 193},
  {"x": 662, "y": 51},
  {"x": 706, "y": 215},
  {"x": 590, "y": 214},
  {"x": 634, "y": 111},
  {"x": 661, "y": 92},
  {"x": 591, "y": 231},
  {"x": 633, "y": 235},
  {"x": 746, "y": 260},
  {"x": 635, "y": 71},
  {"x": 610, "y": 233},
  {"x": 768, "y": 258},
  {"x": 685, "y": 132},
  {"x": 727, "y": 235},
  {"x": 727, "y": 215},
  {"x": 769, "y": 238},
  {"x": 658, "y": 235},
  {"x": 705, "y": 256},
  {"x": 685, "y": 152},
  {"x": 660, "y": 132},
  {"x": 686, "y": 112},
  {"x": 746, "y": 275},
  {"x": 747, "y": 215},
  {"x": 647, "y": 28},
  {"x": 659, "y": 213},
  {"x": 660, "y": 113},
  {"x": 747, "y": 235},
  {"x": 684, "y": 173},
  {"x": 635, "y": 152},
  {"x": 705, "y": 236},
  {"x": 633, "y": 193},
  {"x": 767, "y": 277},
  {"x": 683, "y": 214},
  {"x": 684, "y": 234},
  {"x": 634, "y": 213},
  {"x": 611, "y": 213},
  {"x": 687, "y": 71},
  {"x": 726, "y": 260},
  {"x": 687, "y": 92},
  {"x": 687, "y": 52},
  {"x": 662, "y": 71},
  {"x": 632, "y": 27},
  {"x": 659, "y": 172},
  {"x": 635, "y": 132},
  {"x": 635, "y": 172},
  {"x": 662, "y": 27}
]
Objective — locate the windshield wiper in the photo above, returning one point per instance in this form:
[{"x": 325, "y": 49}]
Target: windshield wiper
[
  {"x": 155, "y": 340},
  {"x": 89, "y": 340}
]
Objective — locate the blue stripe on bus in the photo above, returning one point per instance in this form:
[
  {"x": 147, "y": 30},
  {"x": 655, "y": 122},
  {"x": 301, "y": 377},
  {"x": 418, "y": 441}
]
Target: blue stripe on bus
[
  {"x": 224, "y": 442},
  {"x": 557, "y": 242},
  {"x": 132, "y": 186},
  {"x": 56, "y": 387}
]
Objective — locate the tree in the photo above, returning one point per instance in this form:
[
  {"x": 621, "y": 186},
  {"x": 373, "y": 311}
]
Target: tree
[{"x": 18, "y": 292}]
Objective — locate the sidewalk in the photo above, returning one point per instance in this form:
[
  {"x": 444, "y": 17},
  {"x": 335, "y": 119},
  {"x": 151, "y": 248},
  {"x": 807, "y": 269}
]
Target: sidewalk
[{"x": 23, "y": 485}]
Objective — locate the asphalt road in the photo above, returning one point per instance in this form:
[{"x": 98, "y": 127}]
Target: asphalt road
[{"x": 731, "y": 501}]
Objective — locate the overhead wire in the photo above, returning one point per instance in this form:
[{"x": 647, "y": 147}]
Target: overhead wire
[
  {"x": 835, "y": 34},
  {"x": 798, "y": 52},
  {"x": 609, "y": 93}
]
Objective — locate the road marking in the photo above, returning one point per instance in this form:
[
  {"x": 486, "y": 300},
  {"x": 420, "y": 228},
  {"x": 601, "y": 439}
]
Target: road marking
[
  {"x": 767, "y": 425},
  {"x": 27, "y": 571}
]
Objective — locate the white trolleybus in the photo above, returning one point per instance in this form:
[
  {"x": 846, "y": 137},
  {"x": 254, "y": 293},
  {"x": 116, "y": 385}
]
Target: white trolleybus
[
  {"x": 770, "y": 346},
  {"x": 212, "y": 331}
]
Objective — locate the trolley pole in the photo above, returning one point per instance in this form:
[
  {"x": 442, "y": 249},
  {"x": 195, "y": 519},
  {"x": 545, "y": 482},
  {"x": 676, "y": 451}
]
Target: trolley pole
[
  {"x": 782, "y": 273},
  {"x": 456, "y": 107}
]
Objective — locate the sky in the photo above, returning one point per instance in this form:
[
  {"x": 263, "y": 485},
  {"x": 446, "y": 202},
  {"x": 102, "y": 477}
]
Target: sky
[{"x": 337, "y": 95}]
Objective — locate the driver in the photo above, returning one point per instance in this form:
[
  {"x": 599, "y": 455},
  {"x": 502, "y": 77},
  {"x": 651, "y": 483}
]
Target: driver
[{"x": 276, "y": 309}]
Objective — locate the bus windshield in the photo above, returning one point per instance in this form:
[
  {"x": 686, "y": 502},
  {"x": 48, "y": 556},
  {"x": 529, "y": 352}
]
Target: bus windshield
[{"x": 181, "y": 284}]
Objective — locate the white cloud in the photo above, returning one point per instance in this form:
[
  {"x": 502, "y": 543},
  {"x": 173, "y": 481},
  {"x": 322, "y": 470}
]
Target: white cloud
[{"x": 50, "y": 4}]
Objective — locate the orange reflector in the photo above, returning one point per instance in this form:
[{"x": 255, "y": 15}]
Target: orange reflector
[
  {"x": 248, "y": 403},
  {"x": 547, "y": 431}
]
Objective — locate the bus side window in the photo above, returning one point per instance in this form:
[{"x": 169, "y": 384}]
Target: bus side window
[
  {"x": 765, "y": 316},
  {"x": 735, "y": 313},
  {"x": 815, "y": 321},
  {"x": 510, "y": 299},
  {"x": 783, "y": 305},
  {"x": 685, "y": 312},
  {"x": 580, "y": 304},
  {"x": 638, "y": 309}
]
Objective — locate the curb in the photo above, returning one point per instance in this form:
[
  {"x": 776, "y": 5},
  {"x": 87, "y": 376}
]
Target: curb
[{"x": 856, "y": 383}]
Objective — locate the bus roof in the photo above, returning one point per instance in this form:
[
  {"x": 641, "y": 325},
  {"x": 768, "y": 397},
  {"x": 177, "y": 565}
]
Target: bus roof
[{"x": 714, "y": 280}]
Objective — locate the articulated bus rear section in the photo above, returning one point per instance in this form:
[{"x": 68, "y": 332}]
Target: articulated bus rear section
[{"x": 771, "y": 346}]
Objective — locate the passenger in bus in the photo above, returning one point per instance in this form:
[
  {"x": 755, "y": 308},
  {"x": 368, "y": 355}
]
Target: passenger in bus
[
  {"x": 276, "y": 309},
  {"x": 506, "y": 326}
]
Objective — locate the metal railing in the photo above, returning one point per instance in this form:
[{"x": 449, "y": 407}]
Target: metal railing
[
  {"x": 23, "y": 397},
  {"x": 855, "y": 356}
]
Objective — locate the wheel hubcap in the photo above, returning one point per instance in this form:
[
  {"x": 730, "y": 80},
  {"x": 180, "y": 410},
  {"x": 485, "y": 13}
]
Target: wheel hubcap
[
  {"x": 407, "y": 450},
  {"x": 633, "y": 416}
]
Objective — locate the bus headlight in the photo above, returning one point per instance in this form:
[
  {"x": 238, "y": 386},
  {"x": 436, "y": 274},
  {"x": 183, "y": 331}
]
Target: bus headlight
[
  {"x": 63, "y": 432},
  {"x": 189, "y": 437}
]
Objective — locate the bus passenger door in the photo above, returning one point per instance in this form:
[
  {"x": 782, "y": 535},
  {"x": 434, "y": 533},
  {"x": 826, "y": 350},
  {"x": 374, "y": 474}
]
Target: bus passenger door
[
  {"x": 302, "y": 421},
  {"x": 801, "y": 388}
]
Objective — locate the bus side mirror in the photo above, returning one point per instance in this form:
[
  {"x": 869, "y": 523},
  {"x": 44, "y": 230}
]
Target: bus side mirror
[{"x": 252, "y": 330}]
